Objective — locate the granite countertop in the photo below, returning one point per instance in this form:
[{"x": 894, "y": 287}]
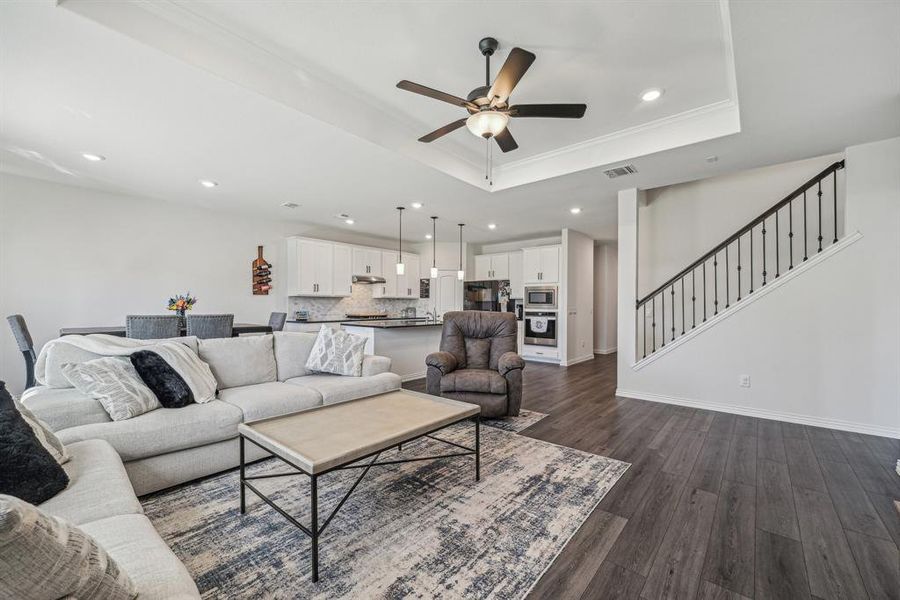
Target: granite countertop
[
  {"x": 394, "y": 323},
  {"x": 346, "y": 320}
]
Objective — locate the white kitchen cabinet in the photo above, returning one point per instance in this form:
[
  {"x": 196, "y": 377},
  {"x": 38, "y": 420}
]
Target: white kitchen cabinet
[
  {"x": 342, "y": 270},
  {"x": 408, "y": 283},
  {"x": 540, "y": 265},
  {"x": 491, "y": 266},
  {"x": 310, "y": 268},
  {"x": 367, "y": 261},
  {"x": 388, "y": 289},
  {"x": 516, "y": 282}
]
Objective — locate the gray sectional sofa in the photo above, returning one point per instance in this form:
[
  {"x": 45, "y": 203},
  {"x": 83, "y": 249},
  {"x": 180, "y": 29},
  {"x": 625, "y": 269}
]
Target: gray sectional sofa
[{"x": 258, "y": 376}]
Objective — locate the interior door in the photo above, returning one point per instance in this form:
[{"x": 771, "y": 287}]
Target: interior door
[
  {"x": 448, "y": 292},
  {"x": 482, "y": 267}
]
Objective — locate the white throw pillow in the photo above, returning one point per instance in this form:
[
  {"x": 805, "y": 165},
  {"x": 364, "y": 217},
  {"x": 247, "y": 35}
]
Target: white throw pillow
[
  {"x": 337, "y": 352},
  {"x": 113, "y": 381}
]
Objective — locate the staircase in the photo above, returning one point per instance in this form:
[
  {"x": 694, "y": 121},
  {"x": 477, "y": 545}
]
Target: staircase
[{"x": 785, "y": 236}]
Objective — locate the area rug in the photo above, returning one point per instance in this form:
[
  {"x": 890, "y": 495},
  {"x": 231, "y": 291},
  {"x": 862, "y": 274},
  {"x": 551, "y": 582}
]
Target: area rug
[
  {"x": 526, "y": 419},
  {"x": 417, "y": 530}
]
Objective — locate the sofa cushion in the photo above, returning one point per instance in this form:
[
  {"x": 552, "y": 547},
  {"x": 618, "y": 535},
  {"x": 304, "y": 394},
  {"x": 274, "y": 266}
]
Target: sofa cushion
[
  {"x": 45, "y": 557},
  {"x": 98, "y": 486},
  {"x": 114, "y": 382},
  {"x": 131, "y": 541},
  {"x": 373, "y": 365},
  {"x": 271, "y": 399},
  {"x": 60, "y": 354},
  {"x": 163, "y": 430},
  {"x": 484, "y": 381},
  {"x": 292, "y": 350},
  {"x": 60, "y": 408},
  {"x": 337, "y": 388},
  {"x": 238, "y": 361}
]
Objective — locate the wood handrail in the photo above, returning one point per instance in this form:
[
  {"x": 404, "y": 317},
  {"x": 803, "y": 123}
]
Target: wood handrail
[{"x": 834, "y": 167}]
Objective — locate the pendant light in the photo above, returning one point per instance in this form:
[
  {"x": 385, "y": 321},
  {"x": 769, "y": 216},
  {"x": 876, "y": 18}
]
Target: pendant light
[
  {"x": 434, "y": 269},
  {"x": 400, "y": 266},
  {"x": 461, "y": 274}
]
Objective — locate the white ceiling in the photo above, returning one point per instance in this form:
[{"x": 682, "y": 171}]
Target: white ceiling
[{"x": 282, "y": 101}]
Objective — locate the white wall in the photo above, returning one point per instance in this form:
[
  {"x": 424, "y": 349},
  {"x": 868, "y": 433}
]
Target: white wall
[
  {"x": 671, "y": 235},
  {"x": 71, "y": 256},
  {"x": 578, "y": 296},
  {"x": 821, "y": 348},
  {"x": 605, "y": 290}
]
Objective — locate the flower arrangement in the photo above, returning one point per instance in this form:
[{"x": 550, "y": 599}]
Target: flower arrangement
[{"x": 182, "y": 303}]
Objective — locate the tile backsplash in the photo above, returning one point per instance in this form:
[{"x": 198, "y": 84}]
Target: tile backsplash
[{"x": 360, "y": 300}]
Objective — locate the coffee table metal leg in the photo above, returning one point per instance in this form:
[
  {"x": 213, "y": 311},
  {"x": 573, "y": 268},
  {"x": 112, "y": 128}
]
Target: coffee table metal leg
[
  {"x": 477, "y": 447},
  {"x": 243, "y": 498},
  {"x": 314, "y": 527}
]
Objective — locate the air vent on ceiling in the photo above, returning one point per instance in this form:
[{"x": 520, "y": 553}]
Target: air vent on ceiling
[
  {"x": 620, "y": 171},
  {"x": 290, "y": 204}
]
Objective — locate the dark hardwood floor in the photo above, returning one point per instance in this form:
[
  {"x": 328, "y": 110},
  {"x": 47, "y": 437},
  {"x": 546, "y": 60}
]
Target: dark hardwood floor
[{"x": 717, "y": 506}]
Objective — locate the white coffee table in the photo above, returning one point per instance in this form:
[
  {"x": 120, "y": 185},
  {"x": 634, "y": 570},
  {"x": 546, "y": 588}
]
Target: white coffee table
[{"x": 329, "y": 438}]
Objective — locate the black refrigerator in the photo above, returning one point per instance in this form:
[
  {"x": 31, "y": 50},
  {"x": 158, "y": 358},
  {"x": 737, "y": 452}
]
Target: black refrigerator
[{"x": 482, "y": 295}]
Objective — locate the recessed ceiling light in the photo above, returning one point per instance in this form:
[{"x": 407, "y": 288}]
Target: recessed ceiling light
[
  {"x": 349, "y": 221},
  {"x": 651, "y": 95},
  {"x": 417, "y": 205},
  {"x": 93, "y": 157},
  {"x": 492, "y": 226},
  {"x": 575, "y": 210},
  {"x": 427, "y": 236},
  {"x": 290, "y": 204},
  {"x": 208, "y": 183}
]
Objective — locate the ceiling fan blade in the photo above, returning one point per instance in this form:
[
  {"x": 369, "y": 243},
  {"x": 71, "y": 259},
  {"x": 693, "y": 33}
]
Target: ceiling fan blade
[
  {"x": 553, "y": 111},
  {"x": 442, "y": 131},
  {"x": 506, "y": 141},
  {"x": 510, "y": 73},
  {"x": 415, "y": 88}
]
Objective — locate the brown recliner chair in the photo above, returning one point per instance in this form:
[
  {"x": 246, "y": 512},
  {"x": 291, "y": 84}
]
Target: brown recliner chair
[{"x": 478, "y": 362}]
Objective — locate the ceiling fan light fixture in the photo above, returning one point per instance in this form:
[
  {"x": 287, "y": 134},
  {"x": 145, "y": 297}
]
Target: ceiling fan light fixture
[{"x": 487, "y": 123}]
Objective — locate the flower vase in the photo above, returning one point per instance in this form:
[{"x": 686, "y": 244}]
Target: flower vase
[{"x": 182, "y": 322}]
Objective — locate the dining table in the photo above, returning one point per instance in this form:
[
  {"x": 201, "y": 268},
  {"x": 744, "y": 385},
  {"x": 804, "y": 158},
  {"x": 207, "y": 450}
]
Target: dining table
[{"x": 119, "y": 330}]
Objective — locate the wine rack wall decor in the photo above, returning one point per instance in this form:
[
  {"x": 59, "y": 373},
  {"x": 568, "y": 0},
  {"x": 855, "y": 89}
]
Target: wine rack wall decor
[{"x": 262, "y": 274}]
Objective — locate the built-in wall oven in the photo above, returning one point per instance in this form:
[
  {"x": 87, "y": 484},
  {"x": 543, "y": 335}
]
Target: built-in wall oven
[
  {"x": 540, "y": 328},
  {"x": 540, "y": 297}
]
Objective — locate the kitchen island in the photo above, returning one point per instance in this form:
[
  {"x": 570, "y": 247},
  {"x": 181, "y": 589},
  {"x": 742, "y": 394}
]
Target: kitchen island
[{"x": 405, "y": 342}]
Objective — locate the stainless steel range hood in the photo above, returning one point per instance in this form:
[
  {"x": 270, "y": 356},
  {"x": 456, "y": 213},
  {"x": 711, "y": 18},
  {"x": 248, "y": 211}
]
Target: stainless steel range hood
[{"x": 368, "y": 279}]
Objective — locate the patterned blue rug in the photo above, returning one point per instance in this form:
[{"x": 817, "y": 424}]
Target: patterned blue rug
[{"x": 417, "y": 530}]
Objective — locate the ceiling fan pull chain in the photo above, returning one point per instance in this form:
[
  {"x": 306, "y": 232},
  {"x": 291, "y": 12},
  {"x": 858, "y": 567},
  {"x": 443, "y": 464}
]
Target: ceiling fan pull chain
[
  {"x": 490, "y": 163},
  {"x": 487, "y": 153}
]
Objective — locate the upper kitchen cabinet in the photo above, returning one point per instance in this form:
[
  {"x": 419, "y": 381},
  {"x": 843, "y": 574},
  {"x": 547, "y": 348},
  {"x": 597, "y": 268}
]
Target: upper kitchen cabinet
[
  {"x": 312, "y": 270},
  {"x": 408, "y": 283},
  {"x": 540, "y": 265},
  {"x": 492, "y": 266},
  {"x": 367, "y": 261}
]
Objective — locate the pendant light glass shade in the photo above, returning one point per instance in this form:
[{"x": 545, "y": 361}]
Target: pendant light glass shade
[
  {"x": 401, "y": 268},
  {"x": 434, "y": 269},
  {"x": 461, "y": 274}
]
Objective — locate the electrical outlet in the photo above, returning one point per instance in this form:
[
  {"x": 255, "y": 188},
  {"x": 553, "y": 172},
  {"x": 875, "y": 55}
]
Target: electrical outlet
[{"x": 744, "y": 381}]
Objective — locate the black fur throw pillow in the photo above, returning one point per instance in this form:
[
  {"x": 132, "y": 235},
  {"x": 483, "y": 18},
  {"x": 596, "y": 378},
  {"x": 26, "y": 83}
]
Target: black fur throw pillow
[
  {"x": 27, "y": 470},
  {"x": 169, "y": 387}
]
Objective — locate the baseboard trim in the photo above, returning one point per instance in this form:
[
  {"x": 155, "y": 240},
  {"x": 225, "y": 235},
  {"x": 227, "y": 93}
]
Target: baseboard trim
[
  {"x": 746, "y": 301},
  {"x": 605, "y": 350},
  {"x": 413, "y": 376},
  {"x": 580, "y": 359},
  {"x": 764, "y": 413}
]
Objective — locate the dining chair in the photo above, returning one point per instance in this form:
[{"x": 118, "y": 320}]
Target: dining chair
[
  {"x": 276, "y": 321},
  {"x": 26, "y": 346},
  {"x": 210, "y": 326},
  {"x": 152, "y": 327}
]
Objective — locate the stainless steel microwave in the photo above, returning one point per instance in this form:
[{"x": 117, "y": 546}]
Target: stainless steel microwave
[{"x": 541, "y": 298}]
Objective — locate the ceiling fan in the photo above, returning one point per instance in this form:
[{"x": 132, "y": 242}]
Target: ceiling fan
[{"x": 488, "y": 105}]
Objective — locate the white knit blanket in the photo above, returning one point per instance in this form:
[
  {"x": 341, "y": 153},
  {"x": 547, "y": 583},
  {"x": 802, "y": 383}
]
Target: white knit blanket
[{"x": 185, "y": 361}]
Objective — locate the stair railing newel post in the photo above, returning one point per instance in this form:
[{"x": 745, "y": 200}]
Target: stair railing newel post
[
  {"x": 727, "y": 280},
  {"x": 805, "y": 233},
  {"x": 739, "y": 270},
  {"x": 662, "y": 330},
  {"x": 682, "y": 306},
  {"x": 704, "y": 291},
  {"x": 715, "y": 284},
  {"x": 644, "y": 329},
  {"x": 751, "y": 259},
  {"x": 693, "y": 298},
  {"x": 673, "y": 312},
  {"x": 653, "y": 322}
]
